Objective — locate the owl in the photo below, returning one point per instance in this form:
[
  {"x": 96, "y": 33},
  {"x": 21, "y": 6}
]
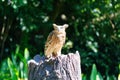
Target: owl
[{"x": 55, "y": 41}]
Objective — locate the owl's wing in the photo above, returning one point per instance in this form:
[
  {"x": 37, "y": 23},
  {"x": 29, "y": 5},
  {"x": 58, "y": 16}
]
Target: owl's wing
[
  {"x": 49, "y": 40},
  {"x": 50, "y": 37}
]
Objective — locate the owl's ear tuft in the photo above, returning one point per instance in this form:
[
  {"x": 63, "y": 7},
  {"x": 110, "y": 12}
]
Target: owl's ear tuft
[
  {"x": 66, "y": 25},
  {"x": 54, "y": 25}
]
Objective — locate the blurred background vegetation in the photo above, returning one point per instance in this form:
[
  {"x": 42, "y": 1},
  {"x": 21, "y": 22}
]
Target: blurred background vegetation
[{"x": 94, "y": 30}]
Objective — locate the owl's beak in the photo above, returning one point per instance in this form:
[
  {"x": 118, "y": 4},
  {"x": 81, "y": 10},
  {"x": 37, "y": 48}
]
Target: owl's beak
[{"x": 58, "y": 30}]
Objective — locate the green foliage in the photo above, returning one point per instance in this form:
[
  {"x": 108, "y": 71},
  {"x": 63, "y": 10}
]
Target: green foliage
[
  {"x": 4, "y": 71},
  {"x": 16, "y": 67},
  {"x": 13, "y": 70},
  {"x": 93, "y": 75},
  {"x": 94, "y": 31}
]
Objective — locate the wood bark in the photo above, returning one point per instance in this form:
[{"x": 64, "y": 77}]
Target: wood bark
[{"x": 64, "y": 67}]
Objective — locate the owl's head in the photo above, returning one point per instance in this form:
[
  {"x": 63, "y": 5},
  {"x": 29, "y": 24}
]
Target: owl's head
[{"x": 60, "y": 28}]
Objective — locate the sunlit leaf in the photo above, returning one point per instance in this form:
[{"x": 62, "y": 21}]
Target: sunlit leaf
[
  {"x": 26, "y": 53},
  {"x": 93, "y": 75},
  {"x": 13, "y": 71}
]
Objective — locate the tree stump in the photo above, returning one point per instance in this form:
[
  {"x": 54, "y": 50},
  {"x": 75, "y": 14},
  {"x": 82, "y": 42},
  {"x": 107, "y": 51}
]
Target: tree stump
[{"x": 64, "y": 67}]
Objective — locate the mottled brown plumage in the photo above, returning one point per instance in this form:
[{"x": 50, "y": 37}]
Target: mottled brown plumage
[{"x": 55, "y": 41}]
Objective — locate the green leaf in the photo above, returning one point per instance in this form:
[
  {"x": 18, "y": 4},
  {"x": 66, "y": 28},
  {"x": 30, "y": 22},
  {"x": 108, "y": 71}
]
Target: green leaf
[
  {"x": 93, "y": 75},
  {"x": 119, "y": 77},
  {"x": 84, "y": 77},
  {"x": 26, "y": 53},
  {"x": 99, "y": 76},
  {"x": 13, "y": 71}
]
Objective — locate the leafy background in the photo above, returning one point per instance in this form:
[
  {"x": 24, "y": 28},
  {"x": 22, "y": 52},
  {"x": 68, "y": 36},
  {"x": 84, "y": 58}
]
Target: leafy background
[{"x": 94, "y": 30}]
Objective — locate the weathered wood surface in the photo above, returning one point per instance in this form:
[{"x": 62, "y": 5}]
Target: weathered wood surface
[{"x": 64, "y": 67}]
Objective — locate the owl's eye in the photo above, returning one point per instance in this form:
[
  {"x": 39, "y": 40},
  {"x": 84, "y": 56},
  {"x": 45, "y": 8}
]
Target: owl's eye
[{"x": 55, "y": 28}]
